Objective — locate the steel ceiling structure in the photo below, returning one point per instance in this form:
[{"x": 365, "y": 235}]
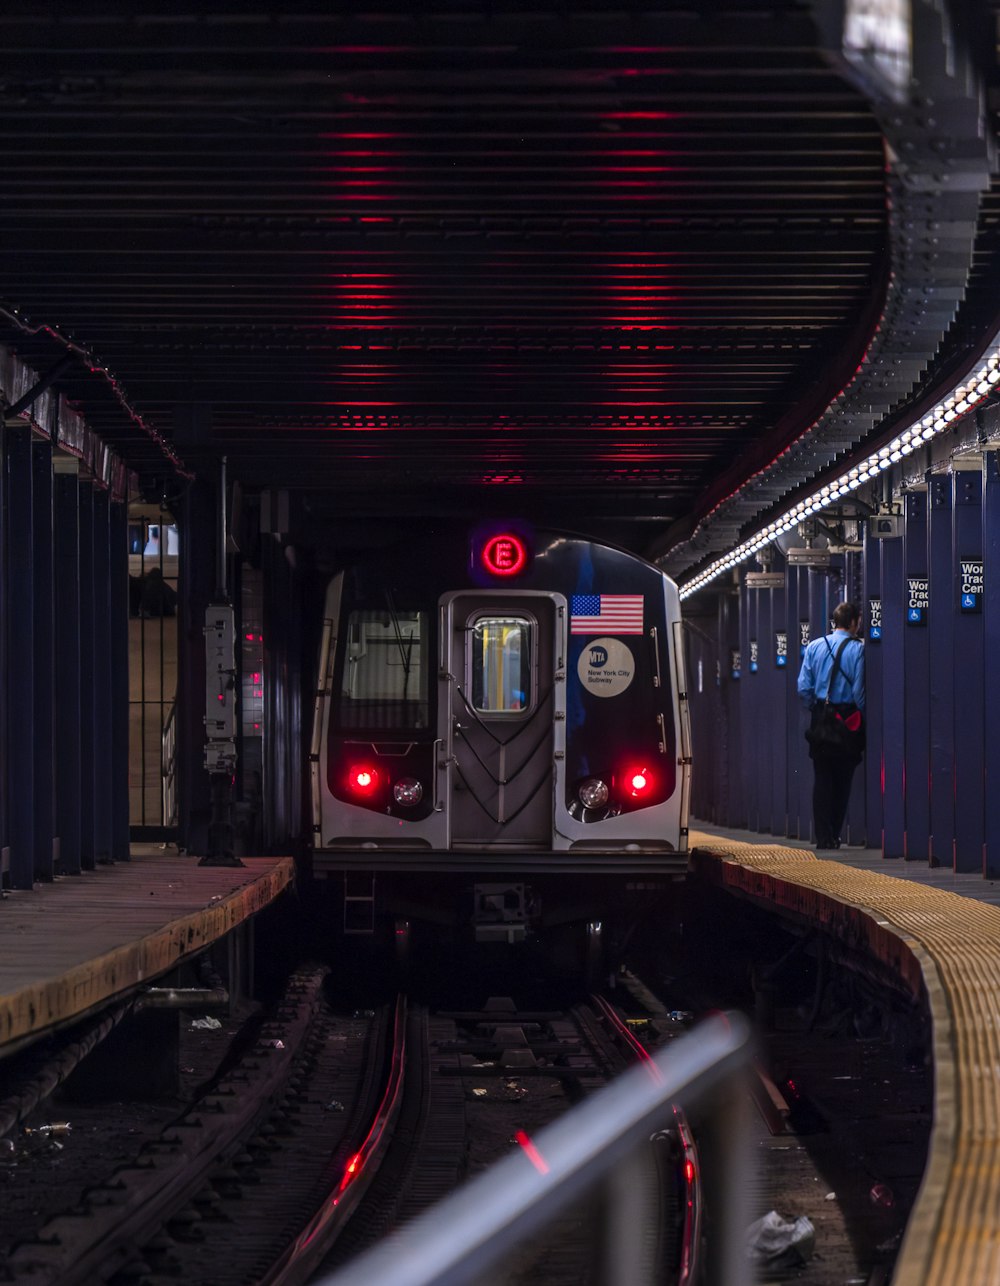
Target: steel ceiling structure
[{"x": 603, "y": 265}]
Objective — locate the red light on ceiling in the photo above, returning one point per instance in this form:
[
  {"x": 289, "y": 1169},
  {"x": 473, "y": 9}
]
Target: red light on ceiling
[
  {"x": 362, "y": 779},
  {"x": 504, "y": 555}
]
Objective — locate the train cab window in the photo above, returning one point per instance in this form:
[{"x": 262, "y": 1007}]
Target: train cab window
[
  {"x": 385, "y": 671},
  {"x": 500, "y": 664}
]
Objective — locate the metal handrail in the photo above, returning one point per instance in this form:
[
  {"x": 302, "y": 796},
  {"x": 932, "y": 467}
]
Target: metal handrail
[{"x": 596, "y": 1146}]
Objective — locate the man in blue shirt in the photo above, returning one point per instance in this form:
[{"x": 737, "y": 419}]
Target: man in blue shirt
[{"x": 833, "y": 770}]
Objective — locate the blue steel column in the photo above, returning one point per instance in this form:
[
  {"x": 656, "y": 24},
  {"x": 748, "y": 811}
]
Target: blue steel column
[
  {"x": 853, "y": 592},
  {"x": 818, "y": 584},
  {"x": 970, "y": 747},
  {"x": 774, "y": 700},
  {"x": 88, "y": 750},
  {"x": 991, "y": 635},
  {"x": 894, "y": 618},
  {"x": 66, "y": 668},
  {"x": 795, "y": 755},
  {"x": 732, "y": 683},
  {"x": 119, "y": 683},
  {"x": 44, "y": 659},
  {"x": 874, "y": 631},
  {"x": 750, "y": 726},
  {"x": 103, "y": 779},
  {"x": 943, "y": 667},
  {"x": 916, "y": 683},
  {"x": 19, "y": 674}
]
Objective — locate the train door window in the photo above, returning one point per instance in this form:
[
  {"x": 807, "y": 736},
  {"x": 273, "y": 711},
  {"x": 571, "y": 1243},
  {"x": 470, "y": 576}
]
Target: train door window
[
  {"x": 384, "y": 683},
  {"x": 500, "y": 664}
]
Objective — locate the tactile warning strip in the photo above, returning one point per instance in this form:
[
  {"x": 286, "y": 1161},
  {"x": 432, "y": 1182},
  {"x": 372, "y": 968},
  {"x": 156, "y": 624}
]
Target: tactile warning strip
[{"x": 948, "y": 947}]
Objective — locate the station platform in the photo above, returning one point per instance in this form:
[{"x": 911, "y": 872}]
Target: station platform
[
  {"x": 936, "y": 936},
  {"x": 69, "y": 947}
]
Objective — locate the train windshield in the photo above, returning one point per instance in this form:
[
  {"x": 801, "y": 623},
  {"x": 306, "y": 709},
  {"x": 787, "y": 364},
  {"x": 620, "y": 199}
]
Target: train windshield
[
  {"x": 385, "y": 671},
  {"x": 500, "y": 664}
]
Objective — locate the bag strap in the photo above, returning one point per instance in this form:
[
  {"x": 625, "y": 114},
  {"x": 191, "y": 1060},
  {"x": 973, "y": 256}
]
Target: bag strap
[{"x": 836, "y": 666}]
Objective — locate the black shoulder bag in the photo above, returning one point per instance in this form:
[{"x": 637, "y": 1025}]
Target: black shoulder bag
[{"x": 832, "y": 732}]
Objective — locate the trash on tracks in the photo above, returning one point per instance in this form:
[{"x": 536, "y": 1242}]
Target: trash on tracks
[{"x": 774, "y": 1242}]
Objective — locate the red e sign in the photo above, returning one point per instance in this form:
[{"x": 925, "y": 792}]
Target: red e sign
[{"x": 504, "y": 555}]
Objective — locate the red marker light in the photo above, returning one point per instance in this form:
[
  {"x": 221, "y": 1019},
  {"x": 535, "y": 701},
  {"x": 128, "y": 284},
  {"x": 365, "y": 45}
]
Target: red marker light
[
  {"x": 363, "y": 780},
  {"x": 504, "y": 555},
  {"x": 689, "y": 1172},
  {"x": 638, "y": 781}
]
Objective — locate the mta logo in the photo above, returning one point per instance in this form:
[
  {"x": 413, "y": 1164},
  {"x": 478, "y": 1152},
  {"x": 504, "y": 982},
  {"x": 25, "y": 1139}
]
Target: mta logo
[{"x": 598, "y": 657}]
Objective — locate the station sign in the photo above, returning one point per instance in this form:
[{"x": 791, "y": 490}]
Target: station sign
[
  {"x": 971, "y": 585},
  {"x": 765, "y": 580},
  {"x": 781, "y": 649},
  {"x": 918, "y": 597},
  {"x": 735, "y": 663},
  {"x": 875, "y": 619},
  {"x": 753, "y": 656},
  {"x": 804, "y": 634}
]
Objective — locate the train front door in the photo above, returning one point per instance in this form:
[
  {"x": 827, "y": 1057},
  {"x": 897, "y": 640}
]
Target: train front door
[{"x": 504, "y": 651}]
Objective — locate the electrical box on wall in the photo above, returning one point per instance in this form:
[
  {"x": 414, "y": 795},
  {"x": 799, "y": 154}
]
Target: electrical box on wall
[{"x": 220, "y": 688}]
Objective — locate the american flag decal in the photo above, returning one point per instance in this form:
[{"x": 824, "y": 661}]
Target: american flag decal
[{"x": 605, "y": 614}]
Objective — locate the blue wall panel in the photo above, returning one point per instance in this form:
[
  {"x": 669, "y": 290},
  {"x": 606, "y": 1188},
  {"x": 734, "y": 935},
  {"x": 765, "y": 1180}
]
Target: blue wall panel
[
  {"x": 750, "y": 714},
  {"x": 969, "y": 663},
  {"x": 44, "y": 658},
  {"x": 775, "y": 697},
  {"x": 916, "y": 681},
  {"x": 793, "y": 720},
  {"x": 67, "y": 668}
]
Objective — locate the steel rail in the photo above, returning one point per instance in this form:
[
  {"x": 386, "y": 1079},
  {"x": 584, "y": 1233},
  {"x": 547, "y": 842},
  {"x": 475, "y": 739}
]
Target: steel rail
[{"x": 302, "y": 1257}]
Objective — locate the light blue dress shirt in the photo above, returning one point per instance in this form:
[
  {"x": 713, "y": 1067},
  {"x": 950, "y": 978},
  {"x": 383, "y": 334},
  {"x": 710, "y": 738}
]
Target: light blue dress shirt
[{"x": 817, "y": 666}]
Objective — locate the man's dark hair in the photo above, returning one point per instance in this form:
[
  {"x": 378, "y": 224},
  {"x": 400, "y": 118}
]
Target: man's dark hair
[{"x": 844, "y": 615}]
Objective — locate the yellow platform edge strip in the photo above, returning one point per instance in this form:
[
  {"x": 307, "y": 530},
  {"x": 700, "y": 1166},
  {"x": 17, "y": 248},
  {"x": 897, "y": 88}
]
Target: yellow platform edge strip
[
  {"x": 55, "y": 1001},
  {"x": 953, "y": 944}
]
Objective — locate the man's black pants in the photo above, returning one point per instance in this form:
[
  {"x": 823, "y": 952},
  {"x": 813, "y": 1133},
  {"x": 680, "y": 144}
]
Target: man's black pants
[{"x": 831, "y": 792}]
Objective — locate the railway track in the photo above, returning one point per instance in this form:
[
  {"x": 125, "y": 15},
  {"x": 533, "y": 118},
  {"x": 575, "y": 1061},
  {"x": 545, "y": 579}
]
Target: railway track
[{"x": 330, "y": 1131}]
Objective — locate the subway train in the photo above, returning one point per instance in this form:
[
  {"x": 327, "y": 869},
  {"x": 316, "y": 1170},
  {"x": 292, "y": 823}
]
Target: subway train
[{"x": 501, "y": 733}]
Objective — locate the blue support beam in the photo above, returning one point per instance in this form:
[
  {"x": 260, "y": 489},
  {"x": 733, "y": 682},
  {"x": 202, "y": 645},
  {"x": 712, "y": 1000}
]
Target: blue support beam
[
  {"x": 874, "y": 634},
  {"x": 853, "y": 592},
  {"x": 991, "y": 637},
  {"x": 103, "y": 778},
  {"x": 43, "y": 747},
  {"x": 941, "y": 672},
  {"x": 18, "y": 674},
  {"x": 916, "y": 681},
  {"x": 796, "y": 760},
  {"x": 88, "y": 750},
  {"x": 969, "y": 729},
  {"x": 750, "y": 721},
  {"x": 775, "y": 702},
  {"x": 119, "y": 682},
  {"x": 66, "y": 667},
  {"x": 894, "y": 613}
]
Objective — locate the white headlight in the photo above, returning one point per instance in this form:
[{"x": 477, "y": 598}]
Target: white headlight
[
  {"x": 593, "y": 793},
  {"x": 407, "y": 792}
]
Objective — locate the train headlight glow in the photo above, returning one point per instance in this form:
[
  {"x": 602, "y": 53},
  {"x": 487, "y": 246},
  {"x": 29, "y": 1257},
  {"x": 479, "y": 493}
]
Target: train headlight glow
[
  {"x": 407, "y": 792},
  {"x": 593, "y": 793}
]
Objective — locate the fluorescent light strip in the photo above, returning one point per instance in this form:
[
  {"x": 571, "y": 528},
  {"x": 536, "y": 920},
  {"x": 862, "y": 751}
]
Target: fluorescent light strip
[{"x": 959, "y": 401}]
